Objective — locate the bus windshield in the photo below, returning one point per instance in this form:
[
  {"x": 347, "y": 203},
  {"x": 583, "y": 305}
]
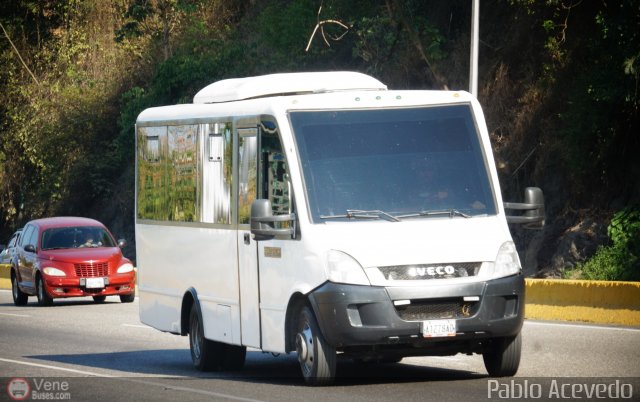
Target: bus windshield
[{"x": 392, "y": 164}]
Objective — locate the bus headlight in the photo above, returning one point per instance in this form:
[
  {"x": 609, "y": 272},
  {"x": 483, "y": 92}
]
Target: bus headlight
[
  {"x": 507, "y": 263},
  {"x": 342, "y": 268}
]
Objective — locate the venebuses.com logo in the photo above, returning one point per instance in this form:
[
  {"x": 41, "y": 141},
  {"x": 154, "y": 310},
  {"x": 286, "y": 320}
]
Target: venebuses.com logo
[{"x": 20, "y": 389}]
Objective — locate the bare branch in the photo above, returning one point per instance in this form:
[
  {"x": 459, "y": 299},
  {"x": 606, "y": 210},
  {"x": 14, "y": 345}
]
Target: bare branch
[
  {"x": 18, "y": 53},
  {"x": 320, "y": 25}
]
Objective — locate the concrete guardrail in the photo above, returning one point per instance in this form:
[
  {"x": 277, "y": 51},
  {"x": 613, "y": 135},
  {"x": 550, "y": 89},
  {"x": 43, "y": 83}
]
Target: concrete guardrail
[
  {"x": 605, "y": 302},
  {"x": 599, "y": 302}
]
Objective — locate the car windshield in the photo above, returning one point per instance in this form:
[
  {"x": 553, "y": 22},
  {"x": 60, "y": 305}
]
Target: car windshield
[
  {"x": 410, "y": 163},
  {"x": 76, "y": 237}
]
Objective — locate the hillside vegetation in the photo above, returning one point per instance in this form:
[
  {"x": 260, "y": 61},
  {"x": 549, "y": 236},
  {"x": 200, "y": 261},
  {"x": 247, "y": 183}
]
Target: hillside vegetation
[{"x": 559, "y": 82}]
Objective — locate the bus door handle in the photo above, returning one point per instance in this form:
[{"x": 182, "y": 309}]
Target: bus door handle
[{"x": 247, "y": 238}]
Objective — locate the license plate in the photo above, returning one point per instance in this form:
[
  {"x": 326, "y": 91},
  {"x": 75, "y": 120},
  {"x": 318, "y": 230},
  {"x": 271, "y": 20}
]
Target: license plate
[
  {"x": 438, "y": 328},
  {"x": 94, "y": 283}
]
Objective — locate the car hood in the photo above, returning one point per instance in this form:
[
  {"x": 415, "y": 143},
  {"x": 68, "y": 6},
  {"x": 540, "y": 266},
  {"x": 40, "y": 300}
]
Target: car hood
[{"x": 82, "y": 255}]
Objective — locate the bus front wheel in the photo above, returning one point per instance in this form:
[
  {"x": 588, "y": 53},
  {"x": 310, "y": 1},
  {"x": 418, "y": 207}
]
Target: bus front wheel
[
  {"x": 502, "y": 356},
  {"x": 316, "y": 357}
]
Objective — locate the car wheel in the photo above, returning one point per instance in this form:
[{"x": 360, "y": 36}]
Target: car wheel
[
  {"x": 99, "y": 299},
  {"x": 502, "y": 356},
  {"x": 316, "y": 357},
  {"x": 43, "y": 297},
  {"x": 19, "y": 297},
  {"x": 127, "y": 298},
  {"x": 206, "y": 354}
]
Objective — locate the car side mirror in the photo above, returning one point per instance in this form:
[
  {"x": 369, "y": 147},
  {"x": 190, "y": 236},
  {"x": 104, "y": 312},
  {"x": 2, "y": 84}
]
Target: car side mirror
[
  {"x": 122, "y": 243},
  {"x": 30, "y": 248},
  {"x": 533, "y": 207},
  {"x": 264, "y": 225}
]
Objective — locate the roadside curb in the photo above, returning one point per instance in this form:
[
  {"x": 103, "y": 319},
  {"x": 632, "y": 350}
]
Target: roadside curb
[
  {"x": 5, "y": 276},
  {"x": 600, "y": 302},
  {"x": 603, "y": 302}
]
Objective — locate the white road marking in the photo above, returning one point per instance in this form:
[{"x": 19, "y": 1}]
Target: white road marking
[
  {"x": 89, "y": 373},
  {"x": 137, "y": 326},
  {"x": 134, "y": 380},
  {"x": 584, "y": 326},
  {"x": 16, "y": 315}
]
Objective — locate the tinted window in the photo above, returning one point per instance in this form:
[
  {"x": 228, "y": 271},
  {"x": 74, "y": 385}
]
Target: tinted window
[
  {"x": 400, "y": 161},
  {"x": 76, "y": 237}
]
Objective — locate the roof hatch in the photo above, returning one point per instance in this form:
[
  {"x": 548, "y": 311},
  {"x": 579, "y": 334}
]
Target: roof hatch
[{"x": 285, "y": 84}]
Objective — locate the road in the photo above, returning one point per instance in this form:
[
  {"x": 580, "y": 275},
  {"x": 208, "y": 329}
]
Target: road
[{"x": 87, "y": 351}]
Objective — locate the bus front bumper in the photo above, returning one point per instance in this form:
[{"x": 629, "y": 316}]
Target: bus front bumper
[{"x": 352, "y": 315}]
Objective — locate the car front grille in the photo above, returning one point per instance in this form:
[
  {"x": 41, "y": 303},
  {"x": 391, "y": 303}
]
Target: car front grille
[
  {"x": 92, "y": 269},
  {"x": 420, "y": 310}
]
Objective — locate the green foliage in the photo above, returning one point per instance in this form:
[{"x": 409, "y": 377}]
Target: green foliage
[
  {"x": 67, "y": 143},
  {"x": 283, "y": 29},
  {"x": 621, "y": 260},
  {"x": 624, "y": 230},
  {"x": 601, "y": 111}
]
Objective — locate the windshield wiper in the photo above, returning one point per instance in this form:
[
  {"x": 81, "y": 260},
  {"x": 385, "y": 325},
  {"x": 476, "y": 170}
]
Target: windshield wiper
[
  {"x": 436, "y": 212},
  {"x": 359, "y": 214}
]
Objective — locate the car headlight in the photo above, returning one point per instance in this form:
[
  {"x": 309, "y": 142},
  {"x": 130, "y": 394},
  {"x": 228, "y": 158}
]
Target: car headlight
[
  {"x": 124, "y": 268},
  {"x": 51, "y": 271},
  {"x": 342, "y": 268},
  {"x": 507, "y": 263}
]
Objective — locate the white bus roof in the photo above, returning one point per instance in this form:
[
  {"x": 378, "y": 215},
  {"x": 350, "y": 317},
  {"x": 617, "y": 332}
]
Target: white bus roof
[{"x": 285, "y": 84}]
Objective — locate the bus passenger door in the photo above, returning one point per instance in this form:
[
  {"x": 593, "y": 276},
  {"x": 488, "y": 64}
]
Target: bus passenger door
[{"x": 247, "y": 187}]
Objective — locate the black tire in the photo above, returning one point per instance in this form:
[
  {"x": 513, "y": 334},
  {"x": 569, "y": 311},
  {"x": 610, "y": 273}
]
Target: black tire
[
  {"x": 502, "y": 356},
  {"x": 316, "y": 357},
  {"x": 19, "y": 297},
  {"x": 234, "y": 357},
  {"x": 99, "y": 299},
  {"x": 127, "y": 298},
  {"x": 206, "y": 355},
  {"x": 43, "y": 297}
]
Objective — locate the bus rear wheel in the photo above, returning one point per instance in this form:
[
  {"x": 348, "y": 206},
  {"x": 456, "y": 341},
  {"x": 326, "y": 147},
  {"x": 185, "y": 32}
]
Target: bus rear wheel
[
  {"x": 205, "y": 354},
  {"x": 316, "y": 357},
  {"x": 208, "y": 355}
]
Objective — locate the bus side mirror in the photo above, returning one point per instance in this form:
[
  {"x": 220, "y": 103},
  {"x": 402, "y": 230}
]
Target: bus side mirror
[
  {"x": 533, "y": 207},
  {"x": 265, "y": 225}
]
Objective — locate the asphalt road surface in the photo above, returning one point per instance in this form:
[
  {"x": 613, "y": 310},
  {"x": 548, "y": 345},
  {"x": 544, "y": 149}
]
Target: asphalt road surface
[{"x": 78, "y": 350}]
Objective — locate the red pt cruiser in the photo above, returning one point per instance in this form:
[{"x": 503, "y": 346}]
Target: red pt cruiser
[{"x": 70, "y": 257}]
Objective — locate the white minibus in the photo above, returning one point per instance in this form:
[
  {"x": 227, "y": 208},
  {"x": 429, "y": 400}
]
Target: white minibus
[{"x": 323, "y": 214}]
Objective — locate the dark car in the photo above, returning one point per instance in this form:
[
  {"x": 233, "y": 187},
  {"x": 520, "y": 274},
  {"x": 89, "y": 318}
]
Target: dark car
[
  {"x": 6, "y": 256},
  {"x": 70, "y": 257}
]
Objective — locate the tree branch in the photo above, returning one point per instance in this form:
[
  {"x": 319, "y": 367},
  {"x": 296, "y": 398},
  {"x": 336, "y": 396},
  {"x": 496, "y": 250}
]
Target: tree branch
[
  {"x": 18, "y": 53},
  {"x": 320, "y": 25}
]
